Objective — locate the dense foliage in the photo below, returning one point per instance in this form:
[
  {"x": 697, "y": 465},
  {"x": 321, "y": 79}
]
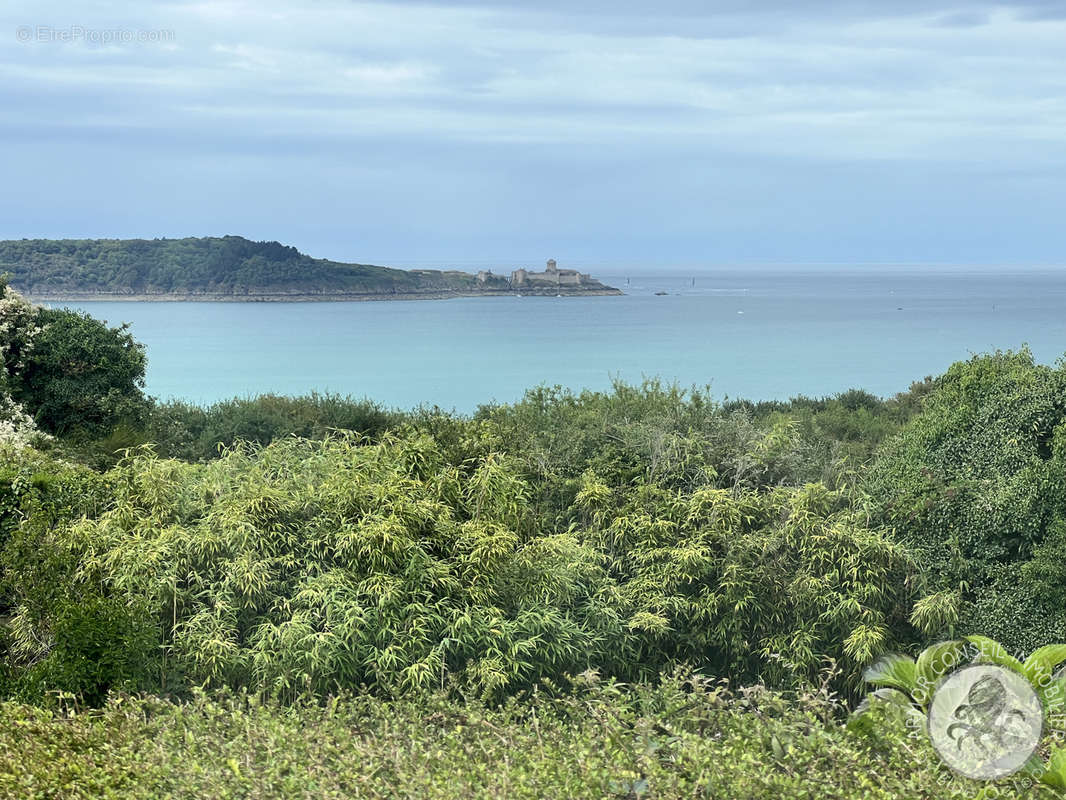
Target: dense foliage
[
  {"x": 977, "y": 483},
  {"x": 89, "y": 634},
  {"x": 907, "y": 691},
  {"x": 18, "y": 331},
  {"x": 674, "y": 740},
  {"x": 319, "y": 566},
  {"x": 446, "y": 574},
  {"x": 82, "y": 376},
  {"x": 196, "y": 433},
  {"x": 209, "y": 265},
  {"x": 842, "y": 431},
  {"x": 66, "y": 373}
]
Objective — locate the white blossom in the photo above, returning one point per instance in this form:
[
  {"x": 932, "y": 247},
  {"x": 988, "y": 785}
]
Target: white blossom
[{"x": 18, "y": 329}]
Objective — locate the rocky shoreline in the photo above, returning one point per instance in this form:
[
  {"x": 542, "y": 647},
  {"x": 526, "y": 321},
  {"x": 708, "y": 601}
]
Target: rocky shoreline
[{"x": 305, "y": 297}]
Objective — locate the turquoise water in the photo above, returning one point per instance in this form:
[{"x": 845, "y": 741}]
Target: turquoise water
[{"x": 758, "y": 334}]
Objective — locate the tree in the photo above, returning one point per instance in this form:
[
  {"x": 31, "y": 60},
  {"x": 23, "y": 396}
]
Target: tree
[
  {"x": 18, "y": 328},
  {"x": 81, "y": 376},
  {"x": 977, "y": 482}
]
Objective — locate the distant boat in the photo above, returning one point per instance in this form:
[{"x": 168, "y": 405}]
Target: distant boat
[
  {"x": 660, "y": 294},
  {"x": 693, "y": 281}
]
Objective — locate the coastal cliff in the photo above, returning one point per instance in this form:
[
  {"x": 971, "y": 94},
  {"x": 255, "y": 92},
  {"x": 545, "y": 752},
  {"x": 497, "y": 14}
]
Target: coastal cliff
[{"x": 232, "y": 268}]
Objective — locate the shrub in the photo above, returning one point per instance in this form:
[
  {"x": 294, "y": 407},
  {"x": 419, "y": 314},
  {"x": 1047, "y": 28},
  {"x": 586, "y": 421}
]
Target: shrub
[
  {"x": 81, "y": 377},
  {"x": 752, "y": 585},
  {"x": 189, "y": 432},
  {"x": 324, "y": 565},
  {"x": 675, "y": 739},
  {"x": 977, "y": 483},
  {"x": 65, "y": 635}
]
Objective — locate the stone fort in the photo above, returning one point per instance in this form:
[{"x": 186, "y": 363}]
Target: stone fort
[{"x": 552, "y": 276}]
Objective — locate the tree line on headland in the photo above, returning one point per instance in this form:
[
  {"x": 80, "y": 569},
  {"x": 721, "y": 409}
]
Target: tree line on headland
[
  {"x": 522, "y": 560},
  {"x": 228, "y": 267}
]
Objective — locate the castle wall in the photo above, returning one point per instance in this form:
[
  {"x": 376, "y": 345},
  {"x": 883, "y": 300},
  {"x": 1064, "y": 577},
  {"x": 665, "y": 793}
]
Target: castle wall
[{"x": 553, "y": 277}]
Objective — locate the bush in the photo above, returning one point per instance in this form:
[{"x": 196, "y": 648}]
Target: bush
[
  {"x": 755, "y": 584},
  {"x": 977, "y": 483},
  {"x": 189, "y": 432},
  {"x": 319, "y": 566},
  {"x": 81, "y": 378},
  {"x": 676, "y": 739},
  {"x": 65, "y": 635},
  {"x": 653, "y": 433}
]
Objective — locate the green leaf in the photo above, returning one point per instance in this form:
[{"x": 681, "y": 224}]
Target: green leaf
[
  {"x": 934, "y": 662},
  {"x": 1053, "y": 695},
  {"x": 895, "y": 703},
  {"x": 1055, "y": 774},
  {"x": 992, "y": 652},
  {"x": 886, "y": 695},
  {"x": 1040, "y": 666},
  {"x": 895, "y": 670},
  {"x": 1034, "y": 768}
]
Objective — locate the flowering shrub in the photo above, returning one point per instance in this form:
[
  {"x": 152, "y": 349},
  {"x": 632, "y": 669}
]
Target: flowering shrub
[
  {"x": 19, "y": 326},
  {"x": 18, "y": 329}
]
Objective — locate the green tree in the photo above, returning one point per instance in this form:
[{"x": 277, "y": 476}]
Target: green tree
[
  {"x": 18, "y": 329},
  {"x": 977, "y": 483},
  {"x": 82, "y": 377}
]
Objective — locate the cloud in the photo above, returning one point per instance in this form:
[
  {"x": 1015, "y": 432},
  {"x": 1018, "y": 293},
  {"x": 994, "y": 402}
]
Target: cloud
[
  {"x": 511, "y": 101},
  {"x": 963, "y": 19}
]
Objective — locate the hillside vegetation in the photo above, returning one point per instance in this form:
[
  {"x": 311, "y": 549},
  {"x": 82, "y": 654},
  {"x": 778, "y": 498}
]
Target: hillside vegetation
[
  {"x": 632, "y": 593},
  {"x": 228, "y": 265}
]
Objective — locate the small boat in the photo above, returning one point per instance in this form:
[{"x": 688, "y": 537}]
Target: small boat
[{"x": 660, "y": 294}]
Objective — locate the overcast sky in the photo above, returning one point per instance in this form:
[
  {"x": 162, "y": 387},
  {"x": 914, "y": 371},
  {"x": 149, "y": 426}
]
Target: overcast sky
[{"x": 410, "y": 133}]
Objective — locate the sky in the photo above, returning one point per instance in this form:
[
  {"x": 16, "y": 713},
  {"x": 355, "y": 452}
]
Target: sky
[{"x": 605, "y": 132}]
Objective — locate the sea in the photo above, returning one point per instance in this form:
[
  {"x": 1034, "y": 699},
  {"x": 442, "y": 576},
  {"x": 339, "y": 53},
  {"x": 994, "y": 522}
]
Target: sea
[{"x": 758, "y": 333}]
